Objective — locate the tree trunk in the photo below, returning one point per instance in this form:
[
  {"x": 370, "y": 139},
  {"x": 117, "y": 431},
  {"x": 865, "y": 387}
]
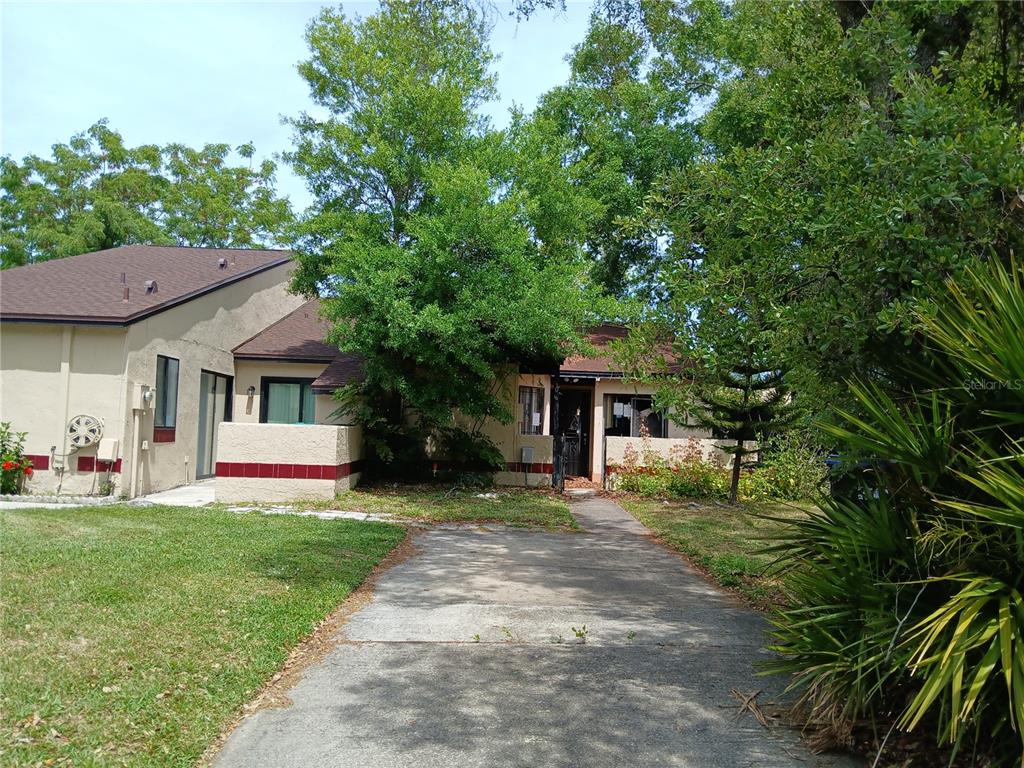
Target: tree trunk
[{"x": 737, "y": 461}]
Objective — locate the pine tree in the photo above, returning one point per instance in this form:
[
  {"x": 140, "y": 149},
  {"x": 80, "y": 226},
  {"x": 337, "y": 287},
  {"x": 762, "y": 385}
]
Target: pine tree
[{"x": 745, "y": 402}]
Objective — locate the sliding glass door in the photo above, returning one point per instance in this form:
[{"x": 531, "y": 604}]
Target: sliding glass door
[{"x": 214, "y": 407}]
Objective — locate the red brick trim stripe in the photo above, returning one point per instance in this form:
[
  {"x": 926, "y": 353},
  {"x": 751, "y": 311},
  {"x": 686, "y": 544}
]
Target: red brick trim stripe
[
  {"x": 535, "y": 468},
  {"x": 39, "y": 460},
  {"x": 287, "y": 471},
  {"x": 91, "y": 464}
]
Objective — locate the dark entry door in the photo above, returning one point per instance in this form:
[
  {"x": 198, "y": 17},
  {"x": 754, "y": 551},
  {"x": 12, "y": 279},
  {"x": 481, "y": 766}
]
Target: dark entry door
[{"x": 574, "y": 416}]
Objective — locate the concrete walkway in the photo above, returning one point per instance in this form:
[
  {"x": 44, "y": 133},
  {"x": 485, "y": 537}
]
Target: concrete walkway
[
  {"x": 197, "y": 494},
  {"x": 467, "y": 656}
]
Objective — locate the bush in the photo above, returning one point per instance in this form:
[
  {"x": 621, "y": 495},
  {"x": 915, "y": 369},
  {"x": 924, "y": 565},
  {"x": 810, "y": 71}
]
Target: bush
[
  {"x": 792, "y": 467},
  {"x": 906, "y": 598},
  {"x": 793, "y": 470},
  {"x": 14, "y": 467}
]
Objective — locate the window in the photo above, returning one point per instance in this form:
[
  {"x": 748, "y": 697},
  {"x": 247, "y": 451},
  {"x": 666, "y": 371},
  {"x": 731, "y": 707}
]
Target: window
[
  {"x": 626, "y": 414},
  {"x": 287, "y": 401},
  {"x": 165, "y": 419},
  {"x": 531, "y": 410}
]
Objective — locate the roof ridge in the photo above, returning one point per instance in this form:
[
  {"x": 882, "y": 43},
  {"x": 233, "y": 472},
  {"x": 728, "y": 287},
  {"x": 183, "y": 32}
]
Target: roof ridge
[{"x": 193, "y": 248}]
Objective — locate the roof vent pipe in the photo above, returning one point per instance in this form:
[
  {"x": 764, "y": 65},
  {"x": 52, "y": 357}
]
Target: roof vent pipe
[
  {"x": 150, "y": 286},
  {"x": 124, "y": 295},
  {"x": 222, "y": 263}
]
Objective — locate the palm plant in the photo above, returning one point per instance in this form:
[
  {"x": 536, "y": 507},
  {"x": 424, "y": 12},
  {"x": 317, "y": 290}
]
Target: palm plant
[{"x": 906, "y": 589}]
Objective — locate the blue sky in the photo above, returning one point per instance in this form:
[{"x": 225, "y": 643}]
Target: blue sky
[{"x": 200, "y": 72}]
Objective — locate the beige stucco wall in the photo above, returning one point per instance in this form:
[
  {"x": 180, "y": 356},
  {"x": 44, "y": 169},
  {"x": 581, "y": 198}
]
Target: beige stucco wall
[
  {"x": 48, "y": 375},
  {"x": 52, "y": 372},
  {"x": 288, "y": 444},
  {"x": 604, "y": 387},
  {"x": 201, "y": 334},
  {"x": 543, "y": 452},
  {"x": 507, "y": 436},
  {"x": 248, "y": 373},
  {"x": 665, "y": 447}
]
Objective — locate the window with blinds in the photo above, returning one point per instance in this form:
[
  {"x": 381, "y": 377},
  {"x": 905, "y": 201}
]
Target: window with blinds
[{"x": 531, "y": 410}]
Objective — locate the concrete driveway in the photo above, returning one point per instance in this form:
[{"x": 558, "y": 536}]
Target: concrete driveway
[{"x": 466, "y": 656}]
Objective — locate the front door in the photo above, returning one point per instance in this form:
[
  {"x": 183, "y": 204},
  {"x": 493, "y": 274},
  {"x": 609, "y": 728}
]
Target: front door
[
  {"x": 214, "y": 407},
  {"x": 574, "y": 415}
]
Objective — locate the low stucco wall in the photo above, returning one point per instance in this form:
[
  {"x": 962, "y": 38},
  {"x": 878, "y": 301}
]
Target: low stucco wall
[
  {"x": 286, "y": 462},
  {"x": 667, "y": 448}
]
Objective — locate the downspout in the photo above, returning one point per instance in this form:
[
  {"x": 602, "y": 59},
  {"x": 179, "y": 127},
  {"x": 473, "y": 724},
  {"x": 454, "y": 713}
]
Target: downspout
[
  {"x": 136, "y": 450},
  {"x": 122, "y": 409},
  {"x": 604, "y": 439},
  {"x": 65, "y": 384}
]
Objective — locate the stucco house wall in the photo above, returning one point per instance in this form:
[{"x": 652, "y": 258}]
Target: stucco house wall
[
  {"x": 201, "y": 334},
  {"x": 249, "y": 373},
  {"x": 607, "y": 451},
  {"x": 50, "y": 372},
  {"x": 511, "y": 442}
]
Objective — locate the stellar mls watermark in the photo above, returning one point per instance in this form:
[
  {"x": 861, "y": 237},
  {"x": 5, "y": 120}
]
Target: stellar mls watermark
[{"x": 976, "y": 385}]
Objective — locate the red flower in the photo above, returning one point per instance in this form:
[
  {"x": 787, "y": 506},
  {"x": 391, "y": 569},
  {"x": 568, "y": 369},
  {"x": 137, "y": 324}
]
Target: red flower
[
  {"x": 9, "y": 465},
  {"x": 27, "y": 471}
]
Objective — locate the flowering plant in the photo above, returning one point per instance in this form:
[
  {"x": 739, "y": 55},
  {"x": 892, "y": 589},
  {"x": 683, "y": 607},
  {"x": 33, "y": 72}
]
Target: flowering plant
[{"x": 14, "y": 467}]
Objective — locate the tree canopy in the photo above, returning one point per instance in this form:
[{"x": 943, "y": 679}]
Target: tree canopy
[
  {"x": 445, "y": 250},
  {"x": 94, "y": 192},
  {"x": 625, "y": 112},
  {"x": 854, "y": 161}
]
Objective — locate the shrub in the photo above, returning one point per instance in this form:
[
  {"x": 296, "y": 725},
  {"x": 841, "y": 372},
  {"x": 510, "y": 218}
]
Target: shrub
[
  {"x": 906, "y": 598},
  {"x": 789, "y": 473},
  {"x": 14, "y": 467},
  {"x": 791, "y": 467}
]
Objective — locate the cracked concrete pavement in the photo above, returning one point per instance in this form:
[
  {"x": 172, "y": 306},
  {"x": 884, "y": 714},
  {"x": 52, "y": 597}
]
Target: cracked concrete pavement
[{"x": 467, "y": 656}]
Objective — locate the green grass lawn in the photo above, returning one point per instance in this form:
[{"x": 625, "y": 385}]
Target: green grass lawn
[
  {"x": 439, "y": 504},
  {"x": 133, "y": 635},
  {"x": 724, "y": 541}
]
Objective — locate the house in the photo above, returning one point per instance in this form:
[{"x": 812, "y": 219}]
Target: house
[
  {"x": 587, "y": 402},
  {"x": 119, "y": 364},
  {"x": 147, "y": 367}
]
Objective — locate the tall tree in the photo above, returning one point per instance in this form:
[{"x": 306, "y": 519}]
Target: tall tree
[
  {"x": 711, "y": 351},
  {"x": 95, "y": 192},
  {"x": 446, "y": 252},
  {"x": 744, "y": 401},
  {"x": 626, "y": 112},
  {"x": 400, "y": 89},
  {"x": 855, "y": 160}
]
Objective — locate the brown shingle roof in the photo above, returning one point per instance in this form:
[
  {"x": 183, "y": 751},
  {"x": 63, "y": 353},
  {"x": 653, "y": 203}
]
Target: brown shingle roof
[
  {"x": 88, "y": 288},
  {"x": 601, "y": 361},
  {"x": 298, "y": 336},
  {"x": 344, "y": 369}
]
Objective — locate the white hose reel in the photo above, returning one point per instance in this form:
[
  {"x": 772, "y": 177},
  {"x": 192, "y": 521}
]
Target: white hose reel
[{"x": 83, "y": 431}]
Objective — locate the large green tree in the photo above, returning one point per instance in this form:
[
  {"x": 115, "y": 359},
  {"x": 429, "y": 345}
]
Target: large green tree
[
  {"x": 94, "y": 192},
  {"x": 626, "y": 114},
  {"x": 446, "y": 251},
  {"x": 856, "y": 157}
]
